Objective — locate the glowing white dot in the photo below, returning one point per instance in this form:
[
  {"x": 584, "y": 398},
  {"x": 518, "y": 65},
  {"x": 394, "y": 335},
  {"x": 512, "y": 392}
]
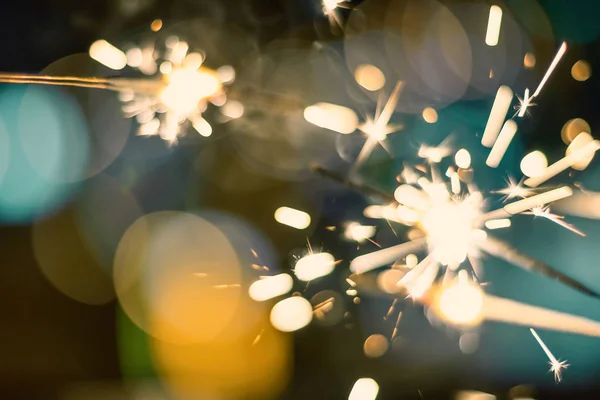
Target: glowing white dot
[
  {"x": 291, "y": 314},
  {"x": 292, "y": 217},
  {"x": 463, "y": 159},
  {"x": 314, "y": 266},
  {"x": 534, "y": 164},
  {"x": 364, "y": 389}
]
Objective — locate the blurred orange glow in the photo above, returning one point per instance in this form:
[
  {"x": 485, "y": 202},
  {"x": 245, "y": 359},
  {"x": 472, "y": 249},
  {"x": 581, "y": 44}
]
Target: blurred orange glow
[
  {"x": 430, "y": 115},
  {"x": 529, "y": 60},
  {"x": 156, "y": 25},
  {"x": 375, "y": 346},
  {"x": 581, "y": 71},
  {"x": 572, "y": 128},
  {"x": 369, "y": 77}
]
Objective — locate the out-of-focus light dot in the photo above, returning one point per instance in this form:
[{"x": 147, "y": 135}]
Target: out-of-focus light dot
[
  {"x": 292, "y": 217},
  {"x": 468, "y": 342},
  {"x": 171, "y": 41},
  {"x": 165, "y": 67},
  {"x": 534, "y": 164},
  {"x": 358, "y": 232},
  {"x": 572, "y": 128},
  {"x": 581, "y": 71},
  {"x": 126, "y": 95},
  {"x": 430, "y": 115},
  {"x": 461, "y": 303},
  {"x": 145, "y": 117},
  {"x": 331, "y": 5},
  {"x": 135, "y": 57},
  {"x": 328, "y": 307},
  {"x": 193, "y": 61},
  {"x": 331, "y": 116},
  {"x": 582, "y": 140},
  {"x": 412, "y": 260},
  {"x": 202, "y": 126},
  {"x": 374, "y": 211},
  {"x": 150, "y": 128},
  {"x": 387, "y": 281},
  {"x": 233, "y": 109},
  {"x": 529, "y": 60},
  {"x": 364, "y": 389},
  {"x": 314, "y": 266},
  {"x": 494, "y": 24},
  {"x": 156, "y": 25},
  {"x": 375, "y": 346},
  {"x": 108, "y": 55},
  {"x": 462, "y": 158},
  {"x": 226, "y": 73},
  {"x": 291, "y": 314},
  {"x": 407, "y": 215},
  {"x": 414, "y": 234},
  {"x": 474, "y": 395},
  {"x": 498, "y": 223},
  {"x": 369, "y": 77},
  {"x": 270, "y": 287}
]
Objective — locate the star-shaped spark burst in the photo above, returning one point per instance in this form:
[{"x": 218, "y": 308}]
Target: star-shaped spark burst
[
  {"x": 514, "y": 190},
  {"x": 556, "y": 366},
  {"x": 524, "y": 104}
]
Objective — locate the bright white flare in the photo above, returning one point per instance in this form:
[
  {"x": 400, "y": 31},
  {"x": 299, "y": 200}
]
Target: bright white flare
[
  {"x": 493, "y": 28},
  {"x": 314, "y": 266},
  {"x": 331, "y": 116},
  {"x": 461, "y": 303},
  {"x": 501, "y": 145},
  {"x": 270, "y": 287},
  {"x": 364, "y": 389},
  {"x": 500, "y": 108},
  {"x": 108, "y": 55},
  {"x": 186, "y": 88},
  {"x": 291, "y": 314},
  {"x": 292, "y": 217}
]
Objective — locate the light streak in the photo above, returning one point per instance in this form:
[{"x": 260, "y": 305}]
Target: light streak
[
  {"x": 379, "y": 258},
  {"x": 270, "y": 287},
  {"x": 364, "y": 389},
  {"x": 331, "y": 116},
  {"x": 493, "y": 28},
  {"x": 501, "y": 145},
  {"x": 528, "y": 203},
  {"x": 108, "y": 55},
  {"x": 313, "y": 266},
  {"x": 564, "y": 163},
  {"x": 497, "y": 115},
  {"x": 292, "y": 217},
  {"x": 559, "y": 54},
  {"x": 524, "y": 103},
  {"x": 555, "y": 365},
  {"x": 581, "y": 140},
  {"x": 497, "y": 223}
]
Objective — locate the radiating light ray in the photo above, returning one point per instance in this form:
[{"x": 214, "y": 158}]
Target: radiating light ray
[
  {"x": 514, "y": 190},
  {"x": 555, "y": 365},
  {"x": 559, "y": 54},
  {"x": 544, "y": 212},
  {"x": 564, "y": 163}
]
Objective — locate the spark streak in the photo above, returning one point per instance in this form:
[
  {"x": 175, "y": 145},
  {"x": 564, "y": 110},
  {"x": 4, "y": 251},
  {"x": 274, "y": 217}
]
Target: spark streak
[
  {"x": 493, "y": 28},
  {"x": 555, "y": 365},
  {"x": 497, "y": 115},
  {"x": 561, "y": 52}
]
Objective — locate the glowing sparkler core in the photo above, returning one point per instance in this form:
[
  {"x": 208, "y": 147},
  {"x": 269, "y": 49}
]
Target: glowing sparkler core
[{"x": 186, "y": 88}]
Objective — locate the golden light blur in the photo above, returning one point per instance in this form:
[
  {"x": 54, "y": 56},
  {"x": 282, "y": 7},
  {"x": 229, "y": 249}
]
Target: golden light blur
[
  {"x": 65, "y": 260},
  {"x": 387, "y": 281},
  {"x": 156, "y": 25},
  {"x": 430, "y": 115},
  {"x": 572, "y": 128},
  {"x": 375, "y": 346},
  {"x": 581, "y": 71},
  {"x": 177, "y": 277},
  {"x": 534, "y": 164},
  {"x": 369, "y": 77},
  {"x": 185, "y": 88},
  {"x": 461, "y": 303},
  {"x": 291, "y": 314},
  {"x": 580, "y": 141},
  {"x": 529, "y": 60}
]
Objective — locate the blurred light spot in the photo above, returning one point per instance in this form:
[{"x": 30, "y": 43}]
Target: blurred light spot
[
  {"x": 462, "y": 158},
  {"x": 226, "y": 74},
  {"x": 359, "y": 233},
  {"x": 572, "y": 128},
  {"x": 468, "y": 342},
  {"x": 387, "y": 281},
  {"x": 529, "y": 60},
  {"x": 474, "y": 395},
  {"x": 328, "y": 307},
  {"x": 494, "y": 24},
  {"x": 108, "y": 55},
  {"x": 411, "y": 259},
  {"x": 292, "y": 217},
  {"x": 157, "y": 281},
  {"x": 582, "y": 140},
  {"x": 193, "y": 61},
  {"x": 165, "y": 67},
  {"x": 364, "y": 389},
  {"x": 156, "y": 25},
  {"x": 291, "y": 314},
  {"x": 201, "y": 126},
  {"x": 534, "y": 164},
  {"x": 369, "y": 77},
  {"x": 270, "y": 287},
  {"x": 233, "y": 109},
  {"x": 461, "y": 303},
  {"x": 497, "y": 223},
  {"x": 375, "y": 346},
  {"x": 314, "y": 266},
  {"x": 581, "y": 71},
  {"x": 135, "y": 57},
  {"x": 430, "y": 115},
  {"x": 333, "y": 117},
  {"x": 66, "y": 262}
]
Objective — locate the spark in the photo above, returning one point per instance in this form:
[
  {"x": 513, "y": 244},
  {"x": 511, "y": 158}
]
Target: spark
[
  {"x": 257, "y": 338},
  {"x": 559, "y": 54},
  {"x": 524, "y": 104},
  {"x": 545, "y": 212},
  {"x": 556, "y": 366},
  {"x": 514, "y": 190}
]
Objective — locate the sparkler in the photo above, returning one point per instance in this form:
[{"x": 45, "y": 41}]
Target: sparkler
[
  {"x": 174, "y": 95},
  {"x": 556, "y": 366}
]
